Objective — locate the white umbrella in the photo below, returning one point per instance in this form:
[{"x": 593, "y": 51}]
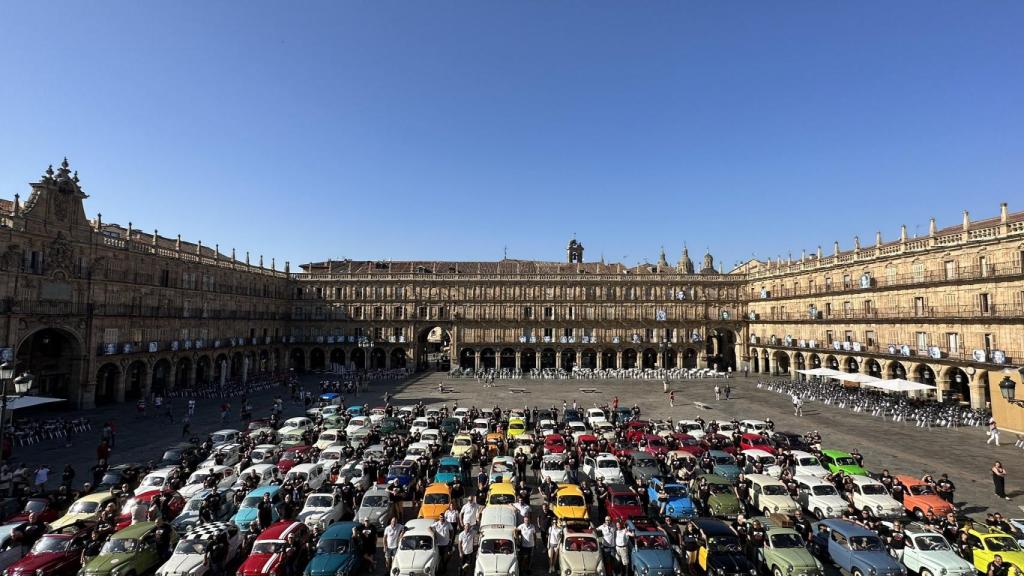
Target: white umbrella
[
  {"x": 858, "y": 377},
  {"x": 901, "y": 385}
]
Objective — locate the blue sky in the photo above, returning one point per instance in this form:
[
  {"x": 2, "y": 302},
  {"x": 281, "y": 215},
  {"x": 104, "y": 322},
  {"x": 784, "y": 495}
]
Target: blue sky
[{"x": 450, "y": 130}]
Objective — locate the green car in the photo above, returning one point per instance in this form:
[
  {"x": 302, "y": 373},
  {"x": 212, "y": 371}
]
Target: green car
[
  {"x": 128, "y": 552},
  {"x": 391, "y": 425},
  {"x": 837, "y": 460},
  {"x": 334, "y": 421},
  {"x": 784, "y": 553},
  {"x": 723, "y": 502}
]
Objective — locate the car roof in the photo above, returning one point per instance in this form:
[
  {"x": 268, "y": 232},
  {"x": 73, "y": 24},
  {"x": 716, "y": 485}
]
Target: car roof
[
  {"x": 835, "y": 453},
  {"x": 279, "y": 530},
  {"x": 801, "y": 454},
  {"x": 438, "y": 487},
  {"x": 339, "y": 531},
  {"x": 449, "y": 460},
  {"x": 714, "y": 526},
  {"x": 858, "y": 479},
  {"x": 617, "y": 488},
  {"x": 757, "y": 452},
  {"x": 846, "y": 527},
  {"x": 811, "y": 480},
  {"x": 569, "y": 489},
  {"x": 908, "y": 480},
  {"x": 96, "y": 497},
  {"x": 137, "y": 530},
  {"x": 260, "y": 491},
  {"x": 714, "y": 479},
  {"x": 764, "y": 479}
]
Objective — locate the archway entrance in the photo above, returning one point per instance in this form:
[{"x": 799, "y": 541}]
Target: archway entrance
[
  {"x": 721, "y": 349},
  {"x": 588, "y": 359},
  {"x": 316, "y": 359},
  {"x": 689, "y": 358},
  {"x": 896, "y": 370},
  {"x": 528, "y": 359},
  {"x": 608, "y": 359},
  {"x": 547, "y": 358},
  {"x": 181, "y": 376},
  {"x": 108, "y": 380},
  {"x": 434, "y": 347},
  {"x": 568, "y": 359},
  {"x": 358, "y": 359},
  {"x": 924, "y": 374},
  {"x": 670, "y": 359},
  {"x": 467, "y": 359},
  {"x": 852, "y": 365},
  {"x": 629, "y": 359},
  {"x": 801, "y": 364},
  {"x": 781, "y": 362},
  {"x": 398, "y": 358},
  {"x": 650, "y": 358},
  {"x": 135, "y": 380},
  {"x": 378, "y": 359},
  {"x": 873, "y": 367},
  {"x": 508, "y": 359},
  {"x": 487, "y": 360},
  {"x": 766, "y": 365},
  {"x": 337, "y": 357},
  {"x": 297, "y": 360},
  {"x": 959, "y": 385},
  {"x": 161, "y": 376},
  {"x": 204, "y": 371},
  {"x": 53, "y": 357}
]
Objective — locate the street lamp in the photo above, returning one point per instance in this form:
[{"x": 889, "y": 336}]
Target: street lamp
[
  {"x": 1008, "y": 388},
  {"x": 663, "y": 347},
  {"x": 22, "y": 384}
]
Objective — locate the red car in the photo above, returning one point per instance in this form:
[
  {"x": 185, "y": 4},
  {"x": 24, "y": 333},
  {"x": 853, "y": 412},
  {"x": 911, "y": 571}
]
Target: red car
[
  {"x": 57, "y": 554},
  {"x": 719, "y": 442},
  {"x": 554, "y": 444},
  {"x": 42, "y": 507},
  {"x": 635, "y": 430},
  {"x": 585, "y": 443},
  {"x": 653, "y": 445},
  {"x": 175, "y": 504},
  {"x": 688, "y": 443},
  {"x": 266, "y": 557},
  {"x": 756, "y": 442},
  {"x": 623, "y": 503},
  {"x": 291, "y": 457}
]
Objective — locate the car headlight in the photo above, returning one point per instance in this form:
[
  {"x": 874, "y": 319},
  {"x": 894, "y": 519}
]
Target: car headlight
[
  {"x": 39, "y": 572},
  {"x": 829, "y": 509},
  {"x": 645, "y": 569},
  {"x": 753, "y": 572},
  {"x": 568, "y": 572},
  {"x": 341, "y": 572},
  {"x": 872, "y": 571},
  {"x": 776, "y": 508},
  {"x": 879, "y": 507},
  {"x": 943, "y": 571},
  {"x": 395, "y": 571}
]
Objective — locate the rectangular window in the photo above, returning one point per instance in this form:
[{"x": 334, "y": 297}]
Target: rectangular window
[
  {"x": 848, "y": 336},
  {"x": 567, "y": 332},
  {"x": 828, "y": 309},
  {"x": 399, "y": 312},
  {"x": 953, "y": 342},
  {"x": 918, "y": 271},
  {"x": 670, "y": 334},
  {"x": 951, "y": 270},
  {"x": 649, "y": 335},
  {"x": 378, "y": 312},
  {"x": 528, "y": 312},
  {"x": 847, "y": 309},
  {"x": 549, "y": 313},
  {"x": 869, "y": 336},
  {"x": 828, "y": 283},
  {"x": 378, "y": 333},
  {"x": 922, "y": 340},
  {"x": 572, "y": 312},
  {"x": 983, "y": 300},
  {"x": 846, "y": 281},
  {"x": 983, "y": 266},
  {"x": 867, "y": 307},
  {"x": 549, "y": 333},
  {"x": 919, "y": 306},
  {"x": 828, "y": 337},
  {"x": 422, "y": 314},
  {"x": 989, "y": 341}
]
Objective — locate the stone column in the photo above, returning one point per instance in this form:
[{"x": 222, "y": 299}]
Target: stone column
[
  {"x": 387, "y": 359},
  {"x": 600, "y": 360},
  {"x": 618, "y": 359},
  {"x": 476, "y": 359},
  {"x": 519, "y": 360},
  {"x": 191, "y": 378},
  {"x": 558, "y": 359},
  {"x": 147, "y": 380},
  {"x": 245, "y": 368},
  {"x": 977, "y": 386},
  {"x": 122, "y": 383}
]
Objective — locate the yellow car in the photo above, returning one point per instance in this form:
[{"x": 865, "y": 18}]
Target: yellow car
[
  {"x": 516, "y": 426},
  {"x": 501, "y": 493},
  {"x": 463, "y": 444},
  {"x": 986, "y": 542},
  {"x": 570, "y": 503},
  {"x": 86, "y": 508},
  {"x": 436, "y": 499}
]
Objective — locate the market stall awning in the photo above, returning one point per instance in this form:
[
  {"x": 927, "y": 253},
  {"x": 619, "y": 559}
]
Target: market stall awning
[
  {"x": 825, "y": 372},
  {"x": 30, "y": 401}
]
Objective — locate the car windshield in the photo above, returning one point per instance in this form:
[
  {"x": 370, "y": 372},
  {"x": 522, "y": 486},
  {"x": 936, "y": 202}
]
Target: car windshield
[
  {"x": 651, "y": 542},
  {"x": 331, "y": 546},
  {"x": 873, "y": 489},
  {"x": 869, "y": 543},
  {"x": 626, "y": 500},
  {"x": 328, "y": 436},
  {"x": 290, "y": 455},
  {"x": 809, "y": 461},
  {"x": 194, "y": 505},
  {"x": 120, "y": 546},
  {"x": 570, "y": 500},
  {"x": 218, "y": 438},
  {"x": 153, "y": 481},
  {"x": 198, "y": 478},
  {"x": 846, "y": 461},
  {"x": 436, "y": 498},
  {"x": 84, "y": 508},
  {"x": 320, "y": 501},
  {"x": 719, "y": 488},
  {"x": 931, "y": 542},
  {"x": 300, "y": 476},
  {"x": 110, "y": 479},
  {"x": 502, "y": 499},
  {"x": 330, "y": 455},
  {"x": 268, "y": 547},
  {"x": 51, "y": 544},
  {"x": 676, "y": 491},
  {"x": 581, "y": 544},
  {"x": 448, "y": 469},
  {"x": 787, "y": 541},
  {"x": 724, "y": 460},
  {"x": 398, "y": 471},
  {"x": 552, "y": 465},
  {"x": 34, "y": 506},
  {"x": 496, "y": 546},
  {"x": 724, "y": 544},
  {"x": 922, "y": 490},
  {"x": 172, "y": 455},
  {"x": 416, "y": 543},
  {"x": 608, "y": 463},
  {"x": 190, "y": 547},
  {"x": 373, "y": 501},
  {"x": 498, "y": 467},
  {"x": 775, "y": 490},
  {"x": 1001, "y": 544},
  {"x": 824, "y": 490},
  {"x": 251, "y": 501},
  {"x": 462, "y": 442}
]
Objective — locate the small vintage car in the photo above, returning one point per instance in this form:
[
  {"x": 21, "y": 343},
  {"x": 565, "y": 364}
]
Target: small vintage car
[
  {"x": 986, "y": 542},
  {"x": 872, "y": 497},
  {"x": 328, "y": 438},
  {"x": 247, "y": 511},
  {"x": 54, "y": 554},
  {"x": 756, "y": 442},
  {"x": 604, "y": 466},
  {"x": 502, "y": 469},
  {"x": 85, "y": 509},
  {"x": 767, "y": 461},
  {"x": 523, "y": 444},
  {"x": 569, "y": 503},
  {"x": 225, "y": 436},
  {"x": 679, "y": 505},
  {"x": 516, "y": 426},
  {"x": 189, "y": 516},
  {"x": 376, "y": 506},
  {"x": 43, "y": 508},
  {"x": 580, "y": 552},
  {"x": 497, "y": 554},
  {"x": 292, "y": 456},
  {"x": 650, "y": 552},
  {"x": 643, "y": 465},
  {"x": 784, "y": 553},
  {"x": 722, "y": 502},
  {"x": 724, "y": 464},
  {"x": 719, "y": 552},
  {"x": 266, "y": 556},
  {"x": 321, "y": 509},
  {"x": 553, "y": 466},
  {"x": 448, "y": 469},
  {"x": 174, "y": 503},
  {"x": 819, "y": 497},
  {"x": 463, "y": 444},
  {"x": 354, "y": 473},
  {"x": 313, "y": 474},
  {"x": 224, "y": 476},
  {"x": 807, "y": 464},
  {"x": 623, "y": 503},
  {"x": 928, "y": 553},
  {"x": 770, "y": 496},
  {"x": 335, "y": 555},
  {"x": 919, "y": 498},
  {"x": 839, "y": 461},
  {"x": 129, "y": 551},
  {"x": 436, "y": 499},
  {"x": 189, "y": 557},
  {"x": 853, "y": 548},
  {"x": 417, "y": 553},
  {"x": 501, "y": 493}
]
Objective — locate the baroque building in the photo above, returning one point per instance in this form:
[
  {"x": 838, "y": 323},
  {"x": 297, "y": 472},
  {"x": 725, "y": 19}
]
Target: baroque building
[{"x": 100, "y": 312}]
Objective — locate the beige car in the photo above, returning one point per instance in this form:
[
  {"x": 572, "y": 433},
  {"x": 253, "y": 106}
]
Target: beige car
[
  {"x": 580, "y": 553},
  {"x": 770, "y": 496}
]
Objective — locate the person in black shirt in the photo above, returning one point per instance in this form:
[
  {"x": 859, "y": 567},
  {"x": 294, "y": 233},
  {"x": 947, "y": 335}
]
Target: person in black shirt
[
  {"x": 945, "y": 488},
  {"x": 756, "y": 536},
  {"x": 963, "y": 547},
  {"x": 265, "y": 512},
  {"x": 92, "y": 547},
  {"x": 897, "y": 540},
  {"x": 368, "y": 537},
  {"x": 997, "y": 567},
  {"x": 162, "y": 536}
]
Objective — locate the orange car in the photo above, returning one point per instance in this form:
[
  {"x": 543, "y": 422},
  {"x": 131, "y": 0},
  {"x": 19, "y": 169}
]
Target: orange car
[
  {"x": 919, "y": 498},
  {"x": 436, "y": 499}
]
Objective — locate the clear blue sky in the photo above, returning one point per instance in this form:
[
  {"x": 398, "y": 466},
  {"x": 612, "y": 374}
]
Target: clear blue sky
[{"x": 448, "y": 130}]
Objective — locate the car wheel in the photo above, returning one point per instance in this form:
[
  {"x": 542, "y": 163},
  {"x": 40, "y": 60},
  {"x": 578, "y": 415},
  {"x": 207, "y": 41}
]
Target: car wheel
[
  {"x": 925, "y": 572},
  {"x": 766, "y": 513},
  {"x": 918, "y": 514},
  {"x": 776, "y": 572},
  {"x": 856, "y": 572}
]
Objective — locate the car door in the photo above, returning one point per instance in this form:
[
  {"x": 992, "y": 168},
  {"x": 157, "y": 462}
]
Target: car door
[
  {"x": 911, "y": 555},
  {"x": 702, "y": 553},
  {"x": 839, "y": 550}
]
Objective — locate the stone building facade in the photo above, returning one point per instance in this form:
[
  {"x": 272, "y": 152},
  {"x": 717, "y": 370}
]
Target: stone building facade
[{"x": 101, "y": 312}]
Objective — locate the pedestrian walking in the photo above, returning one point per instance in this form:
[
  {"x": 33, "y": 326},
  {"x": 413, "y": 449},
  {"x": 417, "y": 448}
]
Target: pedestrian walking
[
  {"x": 42, "y": 476},
  {"x": 672, "y": 399},
  {"x": 718, "y": 392},
  {"x": 191, "y": 406},
  {"x": 728, "y": 391},
  {"x": 798, "y": 406},
  {"x": 527, "y": 532},
  {"x": 999, "y": 480},
  {"x": 993, "y": 431}
]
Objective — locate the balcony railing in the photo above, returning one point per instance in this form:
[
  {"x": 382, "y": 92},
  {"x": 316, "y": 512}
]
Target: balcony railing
[{"x": 995, "y": 311}]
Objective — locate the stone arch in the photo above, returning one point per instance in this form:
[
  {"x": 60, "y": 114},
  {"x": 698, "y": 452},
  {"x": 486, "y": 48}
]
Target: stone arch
[
  {"x": 981, "y": 394},
  {"x": 398, "y": 358},
  {"x": 297, "y": 360},
  {"x": 781, "y": 360},
  {"x": 799, "y": 361},
  {"x": 507, "y": 359},
  {"x": 181, "y": 376},
  {"x": 337, "y": 357},
  {"x": 568, "y": 359},
  {"x": 467, "y": 358},
  {"x": 871, "y": 367},
  {"x": 814, "y": 361},
  {"x": 608, "y": 359},
  {"x": 108, "y": 383},
  {"x": 237, "y": 361},
  {"x": 924, "y": 374},
  {"x": 378, "y": 359},
  {"x": 528, "y": 359},
  {"x": 162, "y": 373},
  {"x": 433, "y": 347},
  {"x": 547, "y": 358},
  {"x": 670, "y": 359},
  {"x": 649, "y": 358},
  {"x": 851, "y": 364},
  {"x": 135, "y": 380},
  {"x": 831, "y": 362},
  {"x": 54, "y": 357},
  {"x": 895, "y": 369},
  {"x": 755, "y": 359},
  {"x": 204, "y": 370},
  {"x": 629, "y": 358},
  {"x": 357, "y": 358},
  {"x": 957, "y": 384},
  {"x": 689, "y": 358},
  {"x": 488, "y": 360},
  {"x": 588, "y": 359},
  {"x": 317, "y": 359}
]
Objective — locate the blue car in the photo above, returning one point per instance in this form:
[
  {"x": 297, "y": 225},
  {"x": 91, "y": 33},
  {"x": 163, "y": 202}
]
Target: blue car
[
  {"x": 650, "y": 551},
  {"x": 334, "y": 553},
  {"x": 247, "y": 512},
  {"x": 401, "y": 473},
  {"x": 448, "y": 469},
  {"x": 679, "y": 506},
  {"x": 853, "y": 548},
  {"x": 724, "y": 464}
]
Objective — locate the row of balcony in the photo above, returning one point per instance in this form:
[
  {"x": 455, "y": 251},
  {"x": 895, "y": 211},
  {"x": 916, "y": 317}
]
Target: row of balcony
[
  {"x": 982, "y": 356},
  {"x": 993, "y": 311},
  {"x": 48, "y": 308}
]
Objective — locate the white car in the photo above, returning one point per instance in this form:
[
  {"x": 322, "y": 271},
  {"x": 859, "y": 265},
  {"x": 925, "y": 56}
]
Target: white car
[
  {"x": 497, "y": 554},
  {"x": 546, "y": 427},
  {"x": 580, "y": 553},
  {"x": 354, "y": 473},
  {"x": 819, "y": 497},
  {"x": 577, "y": 429},
  {"x": 433, "y": 412},
  {"x": 330, "y": 456},
  {"x": 603, "y": 465},
  {"x": 807, "y": 464},
  {"x": 503, "y": 467},
  {"x": 321, "y": 510},
  {"x": 155, "y": 480},
  {"x": 418, "y": 426},
  {"x": 264, "y": 474},
  {"x": 593, "y": 415},
  {"x": 929, "y": 553},
  {"x": 225, "y": 479},
  {"x": 226, "y": 436},
  {"x": 417, "y": 553},
  {"x": 461, "y": 413},
  {"x": 522, "y": 444},
  {"x": 727, "y": 429},
  {"x": 417, "y": 449},
  {"x": 298, "y": 422},
  {"x": 189, "y": 557},
  {"x": 314, "y": 474},
  {"x": 292, "y": 436},
  {"x": 481, "y": 425},
  {"x": 769, "y": 495},
  {"x": 690, "y": 427},
  {"x": 753, "y": 426},
  {"x": 431, "y": 436},
  {"x": 230, "y": 454},
  {"x": 357, "y": 423},
  {"x": 771, "y": 465},
  {"x": 328, "y": 438},
  {"x": 553, "y": 466},
  {"x": 605, "y": 429},
  {"x": 265, "y": 454},
  {"x": 872, "y": 496}
]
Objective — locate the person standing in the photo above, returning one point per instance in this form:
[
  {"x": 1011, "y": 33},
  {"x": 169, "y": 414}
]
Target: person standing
[
  {"x": 798, "y": 406},
  {"x": 622, "y": 536},
  {"x": 392, "y": 536},
  {"x": 672, "y": 399},
  {"x": 718, "y": 392},
  {"x": 554, "y": 542},
  {"x": 527, "y": 537},
  {"x": 466, "y": 541},
  {"x": 999, "y": 480},
  {"x": 993, "y": 431}
]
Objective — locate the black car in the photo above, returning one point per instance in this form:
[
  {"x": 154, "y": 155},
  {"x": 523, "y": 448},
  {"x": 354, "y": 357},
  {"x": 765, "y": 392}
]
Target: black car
[
  {"x": 184, "y": 453},
  {"x": 790, "y": 440},
  {"x": 724, "y": 554},
  {"x": 129, "y": 474},
  {"x": 571, "y": 415}
]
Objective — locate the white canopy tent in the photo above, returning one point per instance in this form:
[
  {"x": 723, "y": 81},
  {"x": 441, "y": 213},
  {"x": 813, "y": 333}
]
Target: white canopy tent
[
  {"x": 858, "y": 377},
  {"x": 825, "y": 372},
  {"x": 30, "y": 401},
  {"x": 900, "y": 385}
]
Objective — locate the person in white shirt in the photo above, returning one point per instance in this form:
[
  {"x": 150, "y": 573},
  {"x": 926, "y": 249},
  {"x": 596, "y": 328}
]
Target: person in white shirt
[
  {"x": 443, "y": 535},
  {"x": 392, "y": 536},
  {"x": 451, "y": 515},
  {"x": 622, "y": 536},
  {"x": 522, "y": 507},
  {"x": 470, "y": 514},
  {"x": 554, "y": 543},
  {"x": 466, "y": 541},
  {"x": 527, "y": 537}
]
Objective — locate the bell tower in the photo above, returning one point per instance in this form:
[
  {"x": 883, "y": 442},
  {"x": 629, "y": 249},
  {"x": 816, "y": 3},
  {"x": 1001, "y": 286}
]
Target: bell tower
[{"x": 574, "y": 252}]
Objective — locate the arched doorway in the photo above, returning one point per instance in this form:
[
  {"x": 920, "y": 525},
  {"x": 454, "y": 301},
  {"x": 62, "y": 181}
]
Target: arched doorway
[
  {"x": 53, "y": 357},
  {"x": 297, "y": 360},
  {"x": 831, "y": 362},
  {"x": 897, "y": 370},
  {"x": 398, "y": 358},
  {"x": 487, "y": 359},
  {"x": 852, "y": 365},
  {"x": 689, "y": 358},
  {"x": 108, "y": 380},
  {"x": 237, "y": 363},
  {"x": 337, "y": 357},
  {"x": 204, "y": 371},
  {"x": 547, "y": 358},
  {"x": 135, "y": 380},
  {"x": 316, "y": 359},
  {"x": 781, "y": 362},
  {"x": 755, "y": 360},
  {"x": 650, "y": 359},
  {"x": 766, "y": 365},
  {"x": 721, "y": 349},
  {"x": 568, "y": 359},
  {"x": 528, "y": 359},
  {"x": 815, "y": 361},
  {"x": 608, "y": 359},
  {"x": 378, "y": 359},
  {"x": 181, "y": 376},
  {"x": 508, "y": 359},
  {"x": 588, "y": 359},
  {"x": 358, "y": 359},
  {"x": 924, "y": 374},
  {"x": 959, "y": 385},
  {"x": 629, "y": 359},
  {"x": 670, "y": 359},
  {"x": 801, "y": 363},
  {"x": 873, "y": 367},
  {"x": 434, "y": 349},
  {"x": 221, "y": 369},
  {"x": 467, "y": 358},
  {"x": 161, "y": 376},
  {"x": 264, "y": 361}
]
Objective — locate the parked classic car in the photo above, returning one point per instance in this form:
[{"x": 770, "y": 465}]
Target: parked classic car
[
  {"x": 650, "y": 553},
  {"x": 784, "y": 553},
  {"x": 719, "y": 552},
  {"x": 129, "y": 551},
  {"x": 770, "y": 496},
  {"x": 189, "y": 557},
  {"x": 853, "y": 548},
  {"x": 334, "y": 554},
  {"x": 928, "y": 553},
  {"x": 872, "y": 497},
  {"x": 819, "y": 497},
  {"x": 919, "y": 498},
  {"x": 679, "y": 505},
  {"x": 417, "y": 553}
]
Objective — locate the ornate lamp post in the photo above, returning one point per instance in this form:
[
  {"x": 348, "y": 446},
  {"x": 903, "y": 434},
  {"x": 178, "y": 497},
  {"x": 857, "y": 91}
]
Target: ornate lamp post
[
  {"x": 1008, "y": 388},
  {"x": 22, "y": 384}
]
